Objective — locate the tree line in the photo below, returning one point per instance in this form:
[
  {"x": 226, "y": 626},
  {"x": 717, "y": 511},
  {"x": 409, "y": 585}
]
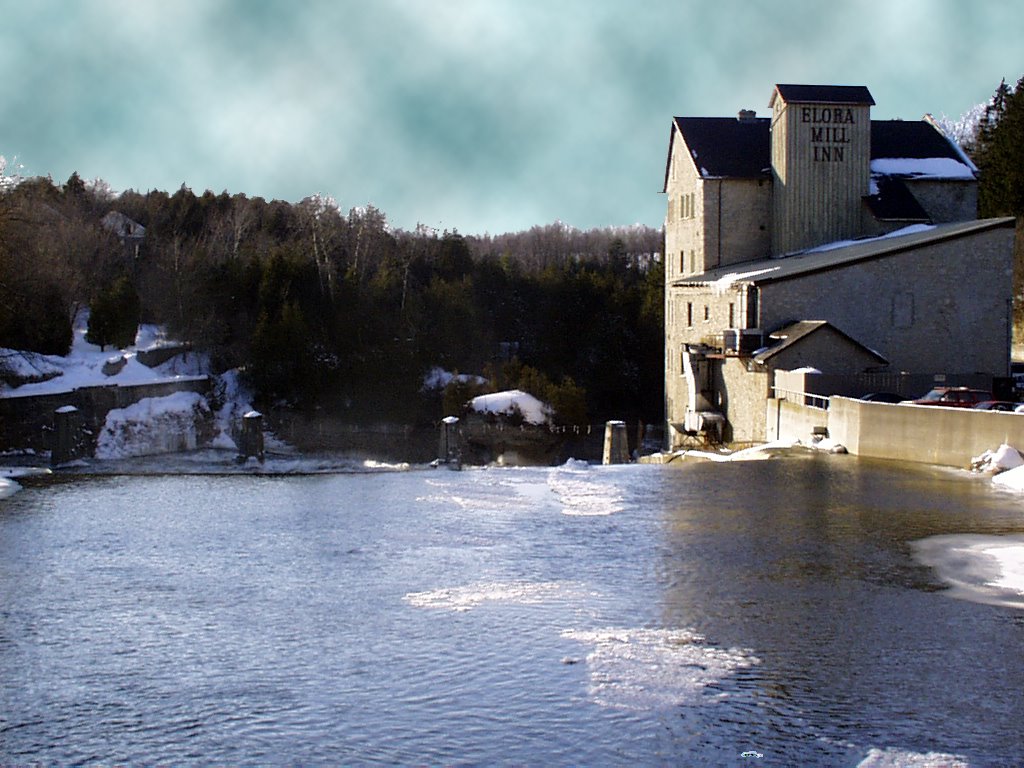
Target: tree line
[{"x": 339, "y": 311}]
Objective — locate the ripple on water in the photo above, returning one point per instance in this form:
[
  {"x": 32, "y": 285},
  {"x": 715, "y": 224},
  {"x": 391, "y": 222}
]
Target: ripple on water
[{"x": 580, "y": 493}]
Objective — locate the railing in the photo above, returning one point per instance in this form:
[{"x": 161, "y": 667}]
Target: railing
[{"x": 802, "y": 398}]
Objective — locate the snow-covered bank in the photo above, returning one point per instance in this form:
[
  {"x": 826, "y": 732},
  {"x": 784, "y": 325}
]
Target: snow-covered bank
[
  {"x": 83, "y": 365},
  {"x": 180, "y": 421}
]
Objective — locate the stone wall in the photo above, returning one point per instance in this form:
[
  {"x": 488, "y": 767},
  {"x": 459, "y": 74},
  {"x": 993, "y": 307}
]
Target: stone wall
[
  {"x": 953, "y": 297},
  {"x": 26, "y": 422}
]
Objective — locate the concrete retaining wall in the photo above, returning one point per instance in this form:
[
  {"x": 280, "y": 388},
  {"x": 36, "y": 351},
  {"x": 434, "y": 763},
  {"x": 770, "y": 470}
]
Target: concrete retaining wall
[
  {"x": 920, "y": 433},
  {"x": 787, "y": 420}
]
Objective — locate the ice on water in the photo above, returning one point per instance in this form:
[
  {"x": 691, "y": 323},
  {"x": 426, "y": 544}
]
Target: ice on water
[
  {"x": 641, "y": 669},
  {"x": 471, "y": 596},
  {"x": 899, "y": 758},
  {"x": 982, "y": 568}
]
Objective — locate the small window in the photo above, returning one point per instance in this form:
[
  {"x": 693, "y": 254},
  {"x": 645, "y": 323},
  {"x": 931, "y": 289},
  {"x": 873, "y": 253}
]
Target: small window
[
  {"x": 689, "y": 313},
  {"x": 707, "y": 313},
  {"x": 682, "y": 261},
  {"x": 903, "y": 309},
  {"x": 732, "y": 315}
]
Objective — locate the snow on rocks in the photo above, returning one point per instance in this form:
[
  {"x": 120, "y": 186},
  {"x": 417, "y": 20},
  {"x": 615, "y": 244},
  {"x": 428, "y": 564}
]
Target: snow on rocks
[
  {"x": 153, "y": 425},
  {"x": 511, "y": 401},
  {"x": 1003, "y": 458}
]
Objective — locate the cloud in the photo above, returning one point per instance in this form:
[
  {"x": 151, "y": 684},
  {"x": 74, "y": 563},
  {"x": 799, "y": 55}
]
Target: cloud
[{"x": 475, "y": 114}]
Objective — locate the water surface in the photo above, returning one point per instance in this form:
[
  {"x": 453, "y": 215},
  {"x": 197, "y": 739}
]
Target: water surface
[{"x": 764, "y": 613}]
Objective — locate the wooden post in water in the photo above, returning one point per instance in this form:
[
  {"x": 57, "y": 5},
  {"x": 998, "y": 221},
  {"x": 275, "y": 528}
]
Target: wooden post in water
[
  {"x": 67, "y": 435},
  {"x": 251, "y": 441},
  {"x": 616, "y": 444}
]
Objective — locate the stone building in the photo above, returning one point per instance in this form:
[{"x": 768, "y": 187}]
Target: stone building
[{"x": 861, "y": 234}]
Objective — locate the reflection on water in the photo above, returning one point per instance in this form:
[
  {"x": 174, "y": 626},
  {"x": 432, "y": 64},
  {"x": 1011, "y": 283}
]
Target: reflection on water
[{"x": 782, "y": 612}]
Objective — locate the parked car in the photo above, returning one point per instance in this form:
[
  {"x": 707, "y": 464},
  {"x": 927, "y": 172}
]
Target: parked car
[
  {"x": 883, "y": 397},
  {"x": 954, "y": 397},
  {"x": 994, "y": 405}
]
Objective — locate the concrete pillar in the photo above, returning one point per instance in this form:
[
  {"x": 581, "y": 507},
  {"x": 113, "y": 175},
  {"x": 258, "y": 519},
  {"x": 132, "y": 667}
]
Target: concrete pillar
[
  {"x": 448, "y": 450},
  {"x": 616, "y": 445},
  {"x": 67, "y": 435},
  {"x": 251, "y": 441}
]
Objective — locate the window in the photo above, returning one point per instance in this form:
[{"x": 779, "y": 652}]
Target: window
[
  {"x": 732, "y": 315},
  {"x": 693, "y": 262},
  {"x": 689, "y": 313},
  {"x": 707, "y": 313},
  {"x": 903, "y": 309},
  {"x": 682, "y": 261}
]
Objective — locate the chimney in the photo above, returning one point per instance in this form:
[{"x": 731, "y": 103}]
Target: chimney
[{"x": 746, "y": 115}]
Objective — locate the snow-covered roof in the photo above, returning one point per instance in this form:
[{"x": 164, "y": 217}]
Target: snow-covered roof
[{"x": 922, "y": 167}]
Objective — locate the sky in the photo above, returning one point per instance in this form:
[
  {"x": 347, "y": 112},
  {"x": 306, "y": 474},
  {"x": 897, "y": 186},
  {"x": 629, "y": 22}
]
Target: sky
[{"x": 482, "y": 116}]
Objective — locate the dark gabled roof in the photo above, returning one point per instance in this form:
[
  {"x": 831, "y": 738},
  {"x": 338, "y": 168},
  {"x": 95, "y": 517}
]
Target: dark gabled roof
[
  {"x": 823, "y": 94},
  {"x": 792, "y": 334},
  {"x": 894, "y": 202},
  {"x": 910, "y": 138},
  {"x": 820, "y": 259},
  {"x": 724, "y": 147}
]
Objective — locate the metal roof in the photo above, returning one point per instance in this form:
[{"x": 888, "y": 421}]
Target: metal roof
[{"x": 837, "y": 255}]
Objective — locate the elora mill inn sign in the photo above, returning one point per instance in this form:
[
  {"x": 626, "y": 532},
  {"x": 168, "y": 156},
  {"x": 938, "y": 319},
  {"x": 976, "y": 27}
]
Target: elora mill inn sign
[{"x": 828, "y": 131}]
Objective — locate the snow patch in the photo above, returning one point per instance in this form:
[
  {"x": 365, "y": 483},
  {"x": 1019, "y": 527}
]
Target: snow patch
[
  {"x": 723, "y": 284},
  {"x": 437, "y": 378}
]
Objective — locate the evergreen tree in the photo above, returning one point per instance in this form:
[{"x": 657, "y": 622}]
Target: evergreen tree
[
  {"x": 114, "y": 315},
  {"x": 1000, "y": 154}
]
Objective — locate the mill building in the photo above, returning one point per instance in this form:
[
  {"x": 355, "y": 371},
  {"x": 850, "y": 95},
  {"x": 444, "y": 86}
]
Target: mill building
[{"x": 819, "y": 237}]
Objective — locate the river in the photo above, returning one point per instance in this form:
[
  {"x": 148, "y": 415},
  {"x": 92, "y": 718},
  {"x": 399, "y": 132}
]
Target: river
[{"x": 790, "y": 612}]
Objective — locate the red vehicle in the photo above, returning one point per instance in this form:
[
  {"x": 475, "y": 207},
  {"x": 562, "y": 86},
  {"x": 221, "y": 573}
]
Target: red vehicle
[{"x": 954, "y": 397}]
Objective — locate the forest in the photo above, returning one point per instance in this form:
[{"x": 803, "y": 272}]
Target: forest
[{"x": 339, "y": 312}]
